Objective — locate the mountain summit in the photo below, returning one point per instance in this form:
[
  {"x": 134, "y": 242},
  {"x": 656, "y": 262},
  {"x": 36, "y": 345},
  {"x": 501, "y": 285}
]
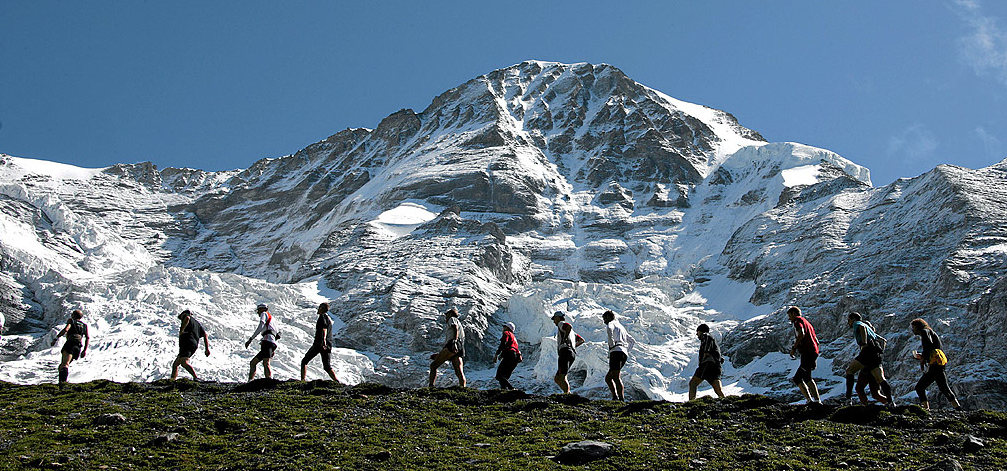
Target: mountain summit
[{"x": 534, "y": 188}]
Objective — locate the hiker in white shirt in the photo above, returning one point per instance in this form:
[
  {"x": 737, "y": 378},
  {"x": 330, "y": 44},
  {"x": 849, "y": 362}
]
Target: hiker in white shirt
[
  {"x": 267, "y": 346},
  {"x": 619, "y": 345}
]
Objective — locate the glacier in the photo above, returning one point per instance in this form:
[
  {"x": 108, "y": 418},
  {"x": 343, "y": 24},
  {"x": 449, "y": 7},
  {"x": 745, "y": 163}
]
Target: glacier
[{"x": 534, "y": 188}]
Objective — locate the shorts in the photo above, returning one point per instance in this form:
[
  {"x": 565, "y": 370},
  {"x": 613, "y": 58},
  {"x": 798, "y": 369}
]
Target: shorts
[
  {"x": 617, "y": 360},
  {"x": 314, "y": 351},
  {"x": 456, "y": 347},
  {"x": 267, "y": 349},
  {"x": 870, "y": 357},
  {"x": 709, "y": 371},
  {"x": 73, "y": 349},
  {"x": 809, "y": 361},
  {"x": 566, "y": 358},
  {"x": 187, "y": 350}
]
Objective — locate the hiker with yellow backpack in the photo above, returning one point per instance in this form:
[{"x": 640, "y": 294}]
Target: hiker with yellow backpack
[{"x": 933, "y": 360}]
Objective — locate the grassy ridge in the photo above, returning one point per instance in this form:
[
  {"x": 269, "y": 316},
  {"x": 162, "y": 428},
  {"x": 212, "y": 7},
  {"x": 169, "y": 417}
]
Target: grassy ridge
[{"x": 323, "y": 426}]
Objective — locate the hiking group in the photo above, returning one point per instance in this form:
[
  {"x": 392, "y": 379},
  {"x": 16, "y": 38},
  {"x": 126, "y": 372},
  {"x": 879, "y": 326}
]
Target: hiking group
[{"x": 864, "y": 371}]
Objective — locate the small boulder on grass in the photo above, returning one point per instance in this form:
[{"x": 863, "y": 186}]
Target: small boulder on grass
[
  {"x": 584, "y": 452},
  {"x": 948, "y": 464},
  {"x": 110, "y": 419}
]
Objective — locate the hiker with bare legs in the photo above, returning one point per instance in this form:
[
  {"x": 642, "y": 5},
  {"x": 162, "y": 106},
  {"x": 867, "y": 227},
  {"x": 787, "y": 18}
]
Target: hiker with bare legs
[
  {"x": 322, "y": 344},
  {"x": 267, "y": 346},
  {"x": 509, "y": 355},
  {"x": 567, "y": 342},
  {"x": 933, "y": 360},
  {"x": 805, "y": 343},
  {"x": 871, "y": 348},
  {"x": 189, "y": 333},
  {"x": 76, "y": 331},
  {"x": 709, "y": 363},
  {"x": 453, "y": 350},
  {"x": 619, "y": 345}
]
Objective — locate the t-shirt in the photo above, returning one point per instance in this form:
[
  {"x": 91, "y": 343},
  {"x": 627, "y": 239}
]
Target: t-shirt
[
  {"x": 565, "y": 341},
  {"x": 77, "y": 332},
  {"x": 508, "y": 342},
  {"x": 708, "y": 349},
  {"x": 809, "y": 344},
  {"x": 618, "y": 339},
  {"x": 323, "y": 331},
  {"x": 266, "y": 328},
  {"x": 870, "y": 333},
  {"x": 454, "y": 325},
  {"x": 191, "y": 333}
]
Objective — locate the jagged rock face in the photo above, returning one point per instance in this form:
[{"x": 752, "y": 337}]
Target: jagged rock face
[
  {"x": 534, "y": 188},
  {"x": 926, "y": 247}
]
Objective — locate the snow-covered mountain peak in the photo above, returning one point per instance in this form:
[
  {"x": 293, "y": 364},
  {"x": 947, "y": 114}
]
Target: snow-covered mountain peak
[{"x": 530, "y": 189}]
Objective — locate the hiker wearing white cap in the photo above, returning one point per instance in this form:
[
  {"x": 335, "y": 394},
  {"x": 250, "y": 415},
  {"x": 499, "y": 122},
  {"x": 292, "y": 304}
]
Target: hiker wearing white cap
[
  {"x": 453, "y": 350},
  {"x": 267, "y": 346},
  {"x": 567, "y": 342},
  {"x": 509, "y": 355}
]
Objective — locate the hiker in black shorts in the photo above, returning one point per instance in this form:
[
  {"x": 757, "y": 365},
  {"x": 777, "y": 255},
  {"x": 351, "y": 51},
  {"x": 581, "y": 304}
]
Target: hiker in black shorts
[
  {"x": 567, "y": 342},
  {"x": 74, "y": 348},
  {"x": 805, "y": 343},
  {"x": 709, "y": 363},
  {"x": 453, "y": 350},
  {"x": 189, "y": 333},
  {"x": 322, "y": 344},
  {"x": 509, "y": 355},
  {"x": 869, "y": 359},
  {"x": 934, "y": 361},
  {"x": 267, "y": 346},
  {"x": 619, "y": 345}
]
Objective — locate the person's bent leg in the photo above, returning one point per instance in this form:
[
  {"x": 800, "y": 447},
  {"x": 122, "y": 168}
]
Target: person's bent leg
[
  {"x": 266, "y": 370},
  {"x": 717, "y": 387},
  {"x": 942, "y": 384},
  {"x": 438, "y": 360},
  {"x": 610, "y": 381},
  {"x": 562, "y": 382},
  {"x": 251, "y": 367},
  {"x": 694, "y": 386},
  {"x": 459, "y": 366},
  {"x": 174, "y": 367},
  {"x": 813, "y": 388},
  {"x": 188, "y": 367},
  {"x": 886, "y": 388},
  {"x": 851, "y": 371}
]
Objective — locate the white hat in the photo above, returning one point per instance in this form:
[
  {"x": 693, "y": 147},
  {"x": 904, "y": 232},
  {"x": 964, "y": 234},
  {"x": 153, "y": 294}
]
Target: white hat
[{"x": 509, "y": 325}]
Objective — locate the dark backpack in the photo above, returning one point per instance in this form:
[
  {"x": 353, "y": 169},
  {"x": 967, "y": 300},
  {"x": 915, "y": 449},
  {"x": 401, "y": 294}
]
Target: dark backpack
[{"x": 77, "y": 331}]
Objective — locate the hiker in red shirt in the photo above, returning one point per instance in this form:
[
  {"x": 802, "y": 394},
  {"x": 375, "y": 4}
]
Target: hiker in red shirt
[
  {"x": 806, "y": 343},
  {"x": 509, "y": 355}
]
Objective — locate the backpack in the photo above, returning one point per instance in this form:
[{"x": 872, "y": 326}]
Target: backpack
[
  {"x": 76, "y": 331},
  {"x": 877, "y": 341}
]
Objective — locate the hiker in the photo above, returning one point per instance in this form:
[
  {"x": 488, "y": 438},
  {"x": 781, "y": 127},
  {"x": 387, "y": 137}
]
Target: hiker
[
  {"x": 453, "y": 350},
  {"x": 871, "y": 347},
  {"x": 267, "y": 346},
  {"x": 619, "y": 345},
  {"x": 509, "y": 355},
  {"x": 709, "y": 363},
  {"x": 567, "y": 342},
  {"x": 865, "y": 379},
  {"x": 3, "y": 321},
  {"x": 75, "y": 331},
  {"x": 805, "y": 343},
  {"x": 322, "y": 344},
  {"x": 933, "y": 360},
  {"x": 189, "y": 333}
]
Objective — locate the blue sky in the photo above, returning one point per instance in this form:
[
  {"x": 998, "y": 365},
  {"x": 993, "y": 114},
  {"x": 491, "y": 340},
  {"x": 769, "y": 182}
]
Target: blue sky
[{"x": 898, "y": 86}]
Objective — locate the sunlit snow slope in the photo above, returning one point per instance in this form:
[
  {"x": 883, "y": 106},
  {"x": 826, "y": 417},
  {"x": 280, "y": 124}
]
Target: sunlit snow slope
[{"x": 534, "y": 188}]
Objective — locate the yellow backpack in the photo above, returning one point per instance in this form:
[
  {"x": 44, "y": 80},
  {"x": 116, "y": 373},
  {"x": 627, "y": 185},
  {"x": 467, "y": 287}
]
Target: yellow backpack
[{"x": 938, "y": 358}]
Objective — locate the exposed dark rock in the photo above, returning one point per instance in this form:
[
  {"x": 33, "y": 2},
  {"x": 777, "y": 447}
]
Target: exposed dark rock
[{"x": 584, "y": 452}]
